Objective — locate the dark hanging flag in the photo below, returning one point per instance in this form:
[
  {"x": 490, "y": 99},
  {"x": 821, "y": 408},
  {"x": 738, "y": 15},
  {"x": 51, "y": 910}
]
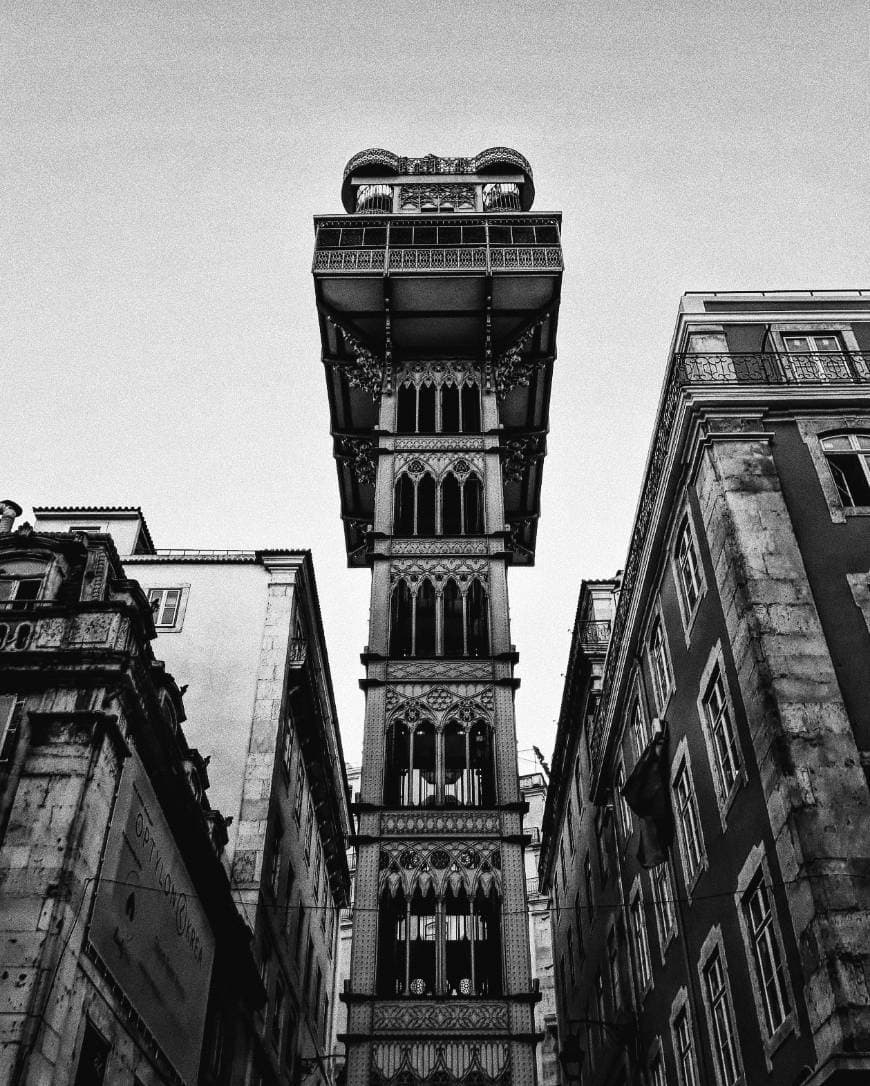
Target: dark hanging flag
[{"x": 647, "y": 792}]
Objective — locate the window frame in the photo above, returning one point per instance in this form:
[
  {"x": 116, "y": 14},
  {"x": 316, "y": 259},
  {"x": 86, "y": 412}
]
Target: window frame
[
  {"x": 160, "y": 592},
  {"x": 640, "y": 938},
  {"x": 756, "y": 872},
  {"x": 813, "y": 431},
  {"x": 725, "y": 793},
  {"x": 663, "y": 694},
  {"x": 713, "y": 949},
  {"x": 664, "y": 908},
  {"x": 685, "y": 528},
  {"x": 681, "y": 1009},
  {"x": 862, "y": 455},
  {"x": 682, "y": 765}
]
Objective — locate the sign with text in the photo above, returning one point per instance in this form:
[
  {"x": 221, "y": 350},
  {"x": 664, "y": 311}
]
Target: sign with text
[{"x": 149, "y": 927}]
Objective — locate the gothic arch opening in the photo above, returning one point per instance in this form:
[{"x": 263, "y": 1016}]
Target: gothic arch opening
[
  {"x": 470, "y": 408},
  {"x": 424, "y": 639},
  {"x": 422, "y": 785},
  {"x": 401, "y": 620},
  {"x": 472, "y": 506},
  {"x": 426, "y": 505},
  {"x": 451, "y": 506},
  {"x": 406, "y": 410},
  {"x": 450, "y": 409},
  {"x": 426, "y": 409},
  {"x": 454, "y": 632},
  {"x": 392, "y": 939},
  {"x": 477, "y": 617},
  {"x": 398, "y": 765},
  {"x": 403, "y": 506}
]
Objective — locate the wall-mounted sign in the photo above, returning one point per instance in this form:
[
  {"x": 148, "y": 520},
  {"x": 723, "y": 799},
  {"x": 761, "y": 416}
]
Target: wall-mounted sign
[{"x": 149, "y": 927}]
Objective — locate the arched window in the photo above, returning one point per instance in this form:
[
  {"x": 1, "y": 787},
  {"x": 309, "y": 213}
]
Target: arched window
[
  {"x": 456, "y": 781},
  {"x": 426, "y": 505},
  {"x": 472, "y": 506},
  {"x": 477, "y": 619},
  {"x": 398, "y": 767},
  {"x": 486, "y": 931},
  {"x": 470, "y": 408},
  {"x": 401, "y": 621},
  {"x": 451, "y": 506},
  {"x": 406, "y": 410},
  {"x": 422, "y": 791},
  {"x": 403, "y": 506},
  {"x": 426, "y": 410},
  {"x": 392, "y": 940},
  {"x": 451, "y": 601},
  {"x": 424, "y": 637},
  {"x": 450, "y": 409}
]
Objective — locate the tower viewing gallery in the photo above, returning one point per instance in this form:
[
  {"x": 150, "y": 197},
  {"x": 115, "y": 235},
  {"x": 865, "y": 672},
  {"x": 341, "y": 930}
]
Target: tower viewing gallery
[{"x": 438, "y": 295}]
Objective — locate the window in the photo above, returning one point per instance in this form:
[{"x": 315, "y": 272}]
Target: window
[
  {"x": 287, "y": 748},
  {"x": 659, "y": 664},
  {"x": 637, "y": 921},
  {"x": 600, "y": 1005},
  {"x": 848, "y": 458},
  {"x": 684, "y": 1049},
  {"x": 165, "y": 605},
  {"x": 309, "y": 829},
  {"x": 657, "y": 1075},
  {"x": 318, "y": 855},
  {"x": 817, "y": 357},
  {"x": 637, "y": 726},
  {"x": 318, "y": 987},
  {"x": 278, "y": 1012},
  {"x": 722, "y": 734},
  {"x": 624, "y": 823},
  {"x": 556, "y": 905},
  {"x": 300, "y": 928},
  {"x": 578, "y": 918},
  {"x": 571, "y": 962},
  {"x": 275, "y": 858},
  {"x": 288, "y": 891},
  {"x": 562, "y": 862},
  {"x": 439, "y": 946},
  {"x": 452, "y": 621},
  {"x": 688, "y": 823},
  {"x": 570, "y": 822},
  {"x": 688, "y": 570},
  {"x": 21, "y": 590},
  {"x": 578, "y": 786},
  {"x": 299, "y": 794},
  {"x": 324, "y": 1020},
  {"x": 8, "y": 703},
  {"x": 613, "y": 968},
  {"x": 451, "y": 767},
  {"x": 309, "y": 961},
  {"x": 448, "y": 409},
  {"x": 587, "y": 881},
  {"x": 767, "y": 956},
  {"x": 721, "y": 1019},
  {"x": 603, "y": 841},
  {"x": 663, "y": 895},
  {"x": 93, "y": 1057}
]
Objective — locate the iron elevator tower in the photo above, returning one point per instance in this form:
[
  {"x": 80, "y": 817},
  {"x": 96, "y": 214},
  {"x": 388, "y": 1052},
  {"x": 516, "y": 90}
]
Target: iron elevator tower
[{"x": 438, "y": 296}]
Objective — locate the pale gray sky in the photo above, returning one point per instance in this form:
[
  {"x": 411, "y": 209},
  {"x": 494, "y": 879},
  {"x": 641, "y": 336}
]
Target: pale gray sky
[{"x": 162, "y": 161}]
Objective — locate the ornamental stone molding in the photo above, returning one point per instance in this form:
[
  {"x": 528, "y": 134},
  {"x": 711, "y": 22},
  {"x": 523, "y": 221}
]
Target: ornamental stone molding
[
  {"x": 518, "y": 455},
  {"x": 439, "y": 704},
  {"x": 419, "y": 823},
  {"x": 110, "y": 631},
  {"x": 440, "y": 1018},
  {"x": 440, "y": 442}
]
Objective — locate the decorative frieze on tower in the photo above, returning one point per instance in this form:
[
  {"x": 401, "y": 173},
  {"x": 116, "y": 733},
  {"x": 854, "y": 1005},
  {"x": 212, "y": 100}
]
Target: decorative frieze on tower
[{"x": 438, "y": 298}]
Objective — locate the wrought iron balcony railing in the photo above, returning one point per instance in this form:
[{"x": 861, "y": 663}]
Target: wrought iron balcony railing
[
  {"x": 595, "y": 634},
  {"x": 816, "y": 369}
]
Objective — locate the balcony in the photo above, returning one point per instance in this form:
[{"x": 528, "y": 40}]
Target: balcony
[
  {"x": 478, "y": 244},
  {"x": 595, "y": 634},
  {"x": 767, "y": 368}
]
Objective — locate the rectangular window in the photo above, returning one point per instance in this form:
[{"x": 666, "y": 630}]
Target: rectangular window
[
  {"x": 600, "y": 1005},
  {"x": 601, "y": 838},
  {"x": 299, "y": 794},
  {"x": 275, "y": 858},
  {"x": 688, "y": 823},
  {"x": 309, "y": 962},
  {"x": 288, "y": 893},
  {"x": 309, "y": 829},
  {"x": 848, "y": 458},
  {"x": 638, "y": 935},
  {"x": 623, "y": 811},
  {"x": 684, "y": 1052},
  {"x": 766, "y": 955},
  {"x": 587, "y": 881},
  {"x": 817, "y": 357},
  {"x": 578, "y": 917},
  {"x": 571, "y": 962},
  {"x": 556, "y": 894},
  {"x": 657, "y": 1070},
  {"x": 666, "y": 917},
  {"x": 659, "y": 664},
  {"x": 723, "y": 736},
  {"x": 578, "y": 786},
  {"x": 318, "y": 856},
  {"x": 318, "y": 985},
  {"x": 688, "y": 569},
  {"x": 7, "y": 712},
  {"x": 20, "y": 589},
  {"x": 637, "y": 726},
  {"x": 287, "y": 747},
  {"x": 613, "y": 969},
  {"x": 93, "y": 1057},
  {"x": 570, "y": 821},
  {"x": 300, "y": 928},
  {"x": 165, "y": 604},
  {"x": 325, "y": 1019},
  {"x": 278, "y": 1013},
  {"x": 721, "y": 1018},
  {"x": 562, "y": 863}
]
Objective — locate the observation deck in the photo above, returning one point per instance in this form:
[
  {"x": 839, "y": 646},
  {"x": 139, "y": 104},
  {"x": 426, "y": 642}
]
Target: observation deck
[{"x": 439, "y": 260}]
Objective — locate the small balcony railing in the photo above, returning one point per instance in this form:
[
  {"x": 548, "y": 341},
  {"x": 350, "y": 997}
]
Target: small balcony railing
[
  {"x": 595, "y": 634},
  {"x": 768, "y": 368}
]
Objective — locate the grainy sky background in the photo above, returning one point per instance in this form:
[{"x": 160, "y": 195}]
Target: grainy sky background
[{"x": 161, "y": 164}]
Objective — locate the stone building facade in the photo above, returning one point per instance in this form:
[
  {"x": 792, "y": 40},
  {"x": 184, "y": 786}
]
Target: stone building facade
[
  {"x": 742, "y": 630},
  {"x": 242, "y": 630},
  {"x": 437, "y": 295},
  {"x": 124, "y": 959}
]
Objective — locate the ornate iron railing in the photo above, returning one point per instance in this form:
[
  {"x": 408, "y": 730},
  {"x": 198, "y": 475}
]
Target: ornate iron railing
[
  {"x": 595, "y": 633},
  {"x": 297, "y": 652},
  {"x": 460, "y": 258},
  {"x": 759, "y": 369}
]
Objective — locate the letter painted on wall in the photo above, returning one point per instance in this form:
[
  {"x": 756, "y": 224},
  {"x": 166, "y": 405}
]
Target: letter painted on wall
[{"x": 149, "y": 927}]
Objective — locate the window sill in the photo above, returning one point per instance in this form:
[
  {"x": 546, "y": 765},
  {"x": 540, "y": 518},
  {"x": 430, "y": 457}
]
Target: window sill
[
  {"x": 689, "y": 620},
  {"x": 778, "y": 1038},
  {"x": 692, "y": 883},
  {"x": 857, "y": 510},
  {"x": 726, "y": 802},
  {"x": 667, "y": 942}
]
